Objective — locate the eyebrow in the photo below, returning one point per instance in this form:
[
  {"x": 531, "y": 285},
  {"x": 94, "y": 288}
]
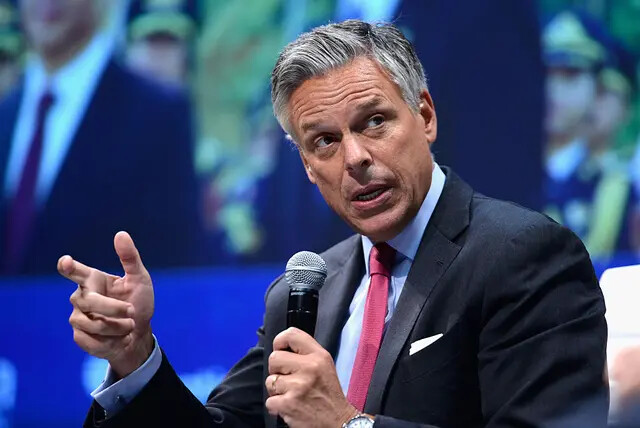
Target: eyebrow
[{"x": 369, "y": 104}]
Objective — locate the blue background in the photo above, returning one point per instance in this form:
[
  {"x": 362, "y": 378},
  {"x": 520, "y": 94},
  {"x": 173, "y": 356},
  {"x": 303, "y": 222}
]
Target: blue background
[{"x": 205, "y": 320}]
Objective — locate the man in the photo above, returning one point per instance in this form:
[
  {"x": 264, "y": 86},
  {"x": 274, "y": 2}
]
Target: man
[
  {"x": 159, "y": 37},
  {"x": 77, "y": 131},
  {"x": 574, "y": 57},
  {"x": 591, "y": 83},
  {"x": 604, "y": 175},
  {"x": 447, "y": 308}
]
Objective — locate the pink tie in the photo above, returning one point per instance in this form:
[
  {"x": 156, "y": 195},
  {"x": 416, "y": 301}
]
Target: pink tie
[{"x": 375, "y": 311}]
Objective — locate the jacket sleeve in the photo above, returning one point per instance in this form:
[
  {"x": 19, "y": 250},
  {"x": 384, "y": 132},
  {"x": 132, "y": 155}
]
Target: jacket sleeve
[
  {"x": 238, "y": 401},
  {"x": 166, "y": 401}
]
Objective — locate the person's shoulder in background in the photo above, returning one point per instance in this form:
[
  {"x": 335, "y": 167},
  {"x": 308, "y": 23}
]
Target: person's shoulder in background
[{"x": 145, "y": 94}]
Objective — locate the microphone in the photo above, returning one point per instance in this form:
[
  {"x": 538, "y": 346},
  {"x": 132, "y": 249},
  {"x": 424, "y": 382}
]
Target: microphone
[{"x": 305, "y": 273}]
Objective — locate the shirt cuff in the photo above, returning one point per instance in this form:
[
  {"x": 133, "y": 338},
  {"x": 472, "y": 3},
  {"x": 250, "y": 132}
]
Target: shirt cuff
[{"x": 113, "y": 396}]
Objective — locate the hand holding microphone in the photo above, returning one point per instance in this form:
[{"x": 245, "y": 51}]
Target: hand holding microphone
[{"x": 303, "y": 384}]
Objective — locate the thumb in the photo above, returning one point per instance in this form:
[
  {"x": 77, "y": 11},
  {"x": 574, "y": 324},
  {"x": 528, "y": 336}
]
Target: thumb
[{"x": 128, "y": 254}]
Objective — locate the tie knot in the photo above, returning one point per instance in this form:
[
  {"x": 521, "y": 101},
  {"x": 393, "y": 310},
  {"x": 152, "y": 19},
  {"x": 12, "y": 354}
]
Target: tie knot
[{"x": 381, "y": 259}]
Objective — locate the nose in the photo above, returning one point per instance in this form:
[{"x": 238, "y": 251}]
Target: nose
[{"x": 356, "y": 155}]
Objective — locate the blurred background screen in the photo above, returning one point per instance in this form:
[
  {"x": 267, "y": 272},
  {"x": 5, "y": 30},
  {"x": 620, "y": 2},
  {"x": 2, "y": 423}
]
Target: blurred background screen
[{"x": 154, "y": 116}]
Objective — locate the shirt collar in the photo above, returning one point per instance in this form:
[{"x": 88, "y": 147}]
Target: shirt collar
[
  {"x": 83, "y": 68},
  {"x": 406, "y": 243}
]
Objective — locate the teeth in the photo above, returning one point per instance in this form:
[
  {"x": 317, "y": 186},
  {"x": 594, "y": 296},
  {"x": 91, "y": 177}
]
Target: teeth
[{"x": 370, "y": 196}]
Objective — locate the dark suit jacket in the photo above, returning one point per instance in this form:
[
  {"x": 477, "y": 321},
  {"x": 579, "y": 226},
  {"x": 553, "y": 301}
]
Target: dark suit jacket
[
  {"x": 129, "y": 167},
  {"x": 514, "y": 294}
]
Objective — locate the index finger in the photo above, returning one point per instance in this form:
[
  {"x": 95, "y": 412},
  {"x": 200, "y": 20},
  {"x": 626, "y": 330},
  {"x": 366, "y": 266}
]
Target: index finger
[
  {"x": 73, "y": 270},
  {"x": 86, "y": 277},
  {"x": 103, "y": 305},
  {"x": 296, "y": 340}
]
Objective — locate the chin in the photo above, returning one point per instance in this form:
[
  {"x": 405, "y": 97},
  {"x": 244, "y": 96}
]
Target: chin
[{"x": 380, "y": 229}]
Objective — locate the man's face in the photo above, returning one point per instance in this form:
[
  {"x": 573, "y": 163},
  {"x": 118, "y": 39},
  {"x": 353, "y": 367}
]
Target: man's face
[
  {"x": 53, "y": 25},
  {"x": 363, "y": 146},
  {"x": 608, "y": 114},
  {"x": 570, "y": 93},
  {"x": 161, "y": 56}
]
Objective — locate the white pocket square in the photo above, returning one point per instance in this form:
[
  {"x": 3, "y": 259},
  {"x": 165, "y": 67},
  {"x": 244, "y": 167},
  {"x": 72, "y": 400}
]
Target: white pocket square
[{"x": 419, "y": 345}]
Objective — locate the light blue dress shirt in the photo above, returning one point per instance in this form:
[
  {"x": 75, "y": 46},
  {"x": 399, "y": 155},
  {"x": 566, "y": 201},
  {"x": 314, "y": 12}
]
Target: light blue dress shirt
[{"x": 114, "y": 396}]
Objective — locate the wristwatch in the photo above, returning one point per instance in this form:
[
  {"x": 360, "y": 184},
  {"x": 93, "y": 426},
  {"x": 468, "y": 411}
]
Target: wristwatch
[{"x": 360, "y": 420}]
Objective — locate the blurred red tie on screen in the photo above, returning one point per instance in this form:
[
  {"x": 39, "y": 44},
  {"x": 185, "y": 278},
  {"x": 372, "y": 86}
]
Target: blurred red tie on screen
[{"x": 22, "y": 209}]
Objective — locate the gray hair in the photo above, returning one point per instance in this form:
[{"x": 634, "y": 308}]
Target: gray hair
[{"x": 332, "y": 46}]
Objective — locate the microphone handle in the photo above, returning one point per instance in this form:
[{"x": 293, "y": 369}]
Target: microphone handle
[
  {"x": 302, "y": 313},
  {"x": 304, "y": 320},
  {"x": 302, "y": 309}
]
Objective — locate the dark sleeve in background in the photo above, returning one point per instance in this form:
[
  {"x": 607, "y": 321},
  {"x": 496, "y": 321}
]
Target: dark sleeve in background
[
  {"x": 486, "y": 77},
  {"x": 174, "y": 214}
]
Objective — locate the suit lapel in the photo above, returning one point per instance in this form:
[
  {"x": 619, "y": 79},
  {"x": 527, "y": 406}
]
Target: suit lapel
[
  {"x": 336, "y": 295},
  {"x": 84, "y": 148},
  {"x": 435, "y": 254}
]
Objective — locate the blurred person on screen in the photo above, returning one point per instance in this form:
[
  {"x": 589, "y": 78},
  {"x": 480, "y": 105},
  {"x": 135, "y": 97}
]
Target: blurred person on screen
[
  {"x": 446, "y": 308},
  {"x": 11, "y": 46},
  {"x": 88, "y": 147},
  {"x": 590, "y": 83},
  {"x": 160, "y": 37},
  {"x": 572, "y": 57},
  {"x": 613, "y": 198}
]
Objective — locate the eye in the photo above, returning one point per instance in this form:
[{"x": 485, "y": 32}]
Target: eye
[
  {"x": 323, "y": 141},
  {"x": 375, "y": 121}
]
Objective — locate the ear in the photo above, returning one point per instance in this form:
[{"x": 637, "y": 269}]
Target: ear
[
  {"x": 428, "y": 113},
  {"x": 307, "y": 166}
]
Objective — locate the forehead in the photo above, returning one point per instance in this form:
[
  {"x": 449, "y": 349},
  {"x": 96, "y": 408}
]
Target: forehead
[{"x": 360, "y": 83}]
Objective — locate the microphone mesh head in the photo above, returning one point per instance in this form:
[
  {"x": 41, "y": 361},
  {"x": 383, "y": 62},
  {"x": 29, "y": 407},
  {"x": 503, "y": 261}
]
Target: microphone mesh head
[{"x": 306, "y": 269}]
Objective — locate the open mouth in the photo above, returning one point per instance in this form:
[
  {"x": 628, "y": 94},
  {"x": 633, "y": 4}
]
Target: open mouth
[{"x": 369, "y": 196}]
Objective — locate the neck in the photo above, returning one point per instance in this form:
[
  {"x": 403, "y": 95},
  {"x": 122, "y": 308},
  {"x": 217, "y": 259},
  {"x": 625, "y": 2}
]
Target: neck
[
  {"x": 55, "y": 59},
  {"x": 598, "y": 146}
]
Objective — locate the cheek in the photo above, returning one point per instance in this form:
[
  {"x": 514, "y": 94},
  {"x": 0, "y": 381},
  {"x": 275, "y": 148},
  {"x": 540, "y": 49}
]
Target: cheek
[
  {"x": 330, "y": 185},
  {"x": 413, "y": 158}
]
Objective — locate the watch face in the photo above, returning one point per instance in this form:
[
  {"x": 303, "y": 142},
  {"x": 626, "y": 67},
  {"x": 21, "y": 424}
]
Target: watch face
[{"x": 360, "y": 422}]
